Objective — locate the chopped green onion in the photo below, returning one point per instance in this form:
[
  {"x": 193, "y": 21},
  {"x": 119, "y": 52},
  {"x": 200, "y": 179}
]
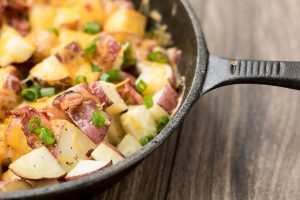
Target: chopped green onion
[
  {"x": 145, "y": 140},
  {"x": 163, "y": 121},
  {"x": 98, "y": 118},
  {"x": 148, "y": 101},
  {"x": 91, "y": 49},
  {"x": 46, "y": 136},
  {"x": 80, "y": 79},
  {"x": 141, "y": 86},
  {"x": 30, "y": 94},
  {"x": 111, "y": 76},
  {"x": 151, "y": 33},
  {"x": 95, "y": 68},
  {"x": 128, "y": 59},
  {"x": 48, "y": 92},
  {"x": 159, "y": 57},
  {"x": 35, "y": 124},
  {"x": 92, "y": 28},
  {"x": 55, "y": 31}
]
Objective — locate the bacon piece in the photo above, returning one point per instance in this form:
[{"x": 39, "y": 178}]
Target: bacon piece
[
  {"x": 16, "y": 14},
  {"x": 81, "y": 114},
  {"x": 108, "y": 50},
  {"x": 167, "y": 99},
  {"x": 124, "y": 76},
  {"x": 69, "y": 52},
  {"x": 25, "y": 114},
  {"x": 98, "y": 91},
  {"x": 10, "y": 78},
  {"x": 130, "y": 96}
]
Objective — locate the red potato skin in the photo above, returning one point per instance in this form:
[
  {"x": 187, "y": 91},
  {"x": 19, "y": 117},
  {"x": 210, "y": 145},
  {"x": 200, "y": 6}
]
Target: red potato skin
[
  {"x": 130, "y": 96},
  {"x": 78, "y": 177},
  {"x": 81, "y": 115},
  {"x": 168, "y": 99},
  {"x": 126, "y": 76},
  {"x": 97, "y": 90}
]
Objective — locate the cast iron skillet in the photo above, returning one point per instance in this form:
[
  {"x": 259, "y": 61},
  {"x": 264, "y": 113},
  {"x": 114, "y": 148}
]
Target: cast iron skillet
[{"x": 203, "y": 73}]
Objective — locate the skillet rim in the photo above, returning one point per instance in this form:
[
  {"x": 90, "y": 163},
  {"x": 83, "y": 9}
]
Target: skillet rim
[{"x": 193, "y": 95}]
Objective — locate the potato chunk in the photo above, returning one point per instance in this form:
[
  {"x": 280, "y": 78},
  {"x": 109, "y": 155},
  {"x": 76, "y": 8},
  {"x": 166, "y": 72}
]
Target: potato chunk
[
  {"x": 138, "y": 122},
  {"x": 51, "y": 72},
  {"x": 129, "y": 145},
  {"x": 13, "y": 47},
  {"x": 126, "y": 20}
]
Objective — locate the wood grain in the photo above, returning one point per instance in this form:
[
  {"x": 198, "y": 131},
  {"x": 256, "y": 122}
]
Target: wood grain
[{"x": 238, "y": 142}]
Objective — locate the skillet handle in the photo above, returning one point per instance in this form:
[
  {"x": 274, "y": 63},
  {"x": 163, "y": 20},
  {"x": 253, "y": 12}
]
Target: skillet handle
[{"x": 222, "y": 72}]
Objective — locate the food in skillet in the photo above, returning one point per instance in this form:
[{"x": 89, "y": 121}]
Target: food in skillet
[{"x": 83, "y": 85}]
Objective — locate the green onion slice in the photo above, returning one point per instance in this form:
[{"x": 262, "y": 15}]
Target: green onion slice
[
  {"x": 35, "y": 124},
  {"x": 98, "y": 118},
  {"x": 81, "y": 79},
  {"x": 145, "y": 140},
  {"x": 163, "y": 121},
  {"x": 111, "y": 76},
  {"x": 148, "y": 101},
  {"x": 55, "y": 31},
  {"x": 46, "y": 136},
  {"x": 30, "y": 94},
  {"x": 129, "y": 61},
  {"x": 141, "y": 86},
  {"x": 95, "y": 68},
  {"x": 91, "y": 49},
  {"x": 92, "y": 28},
  {"x": 48, "y": 92},
  {"x": 159, "y": 57}
]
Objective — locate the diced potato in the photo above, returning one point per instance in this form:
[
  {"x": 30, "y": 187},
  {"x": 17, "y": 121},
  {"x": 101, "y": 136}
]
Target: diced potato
[
  {"x": 38, "y": 164},
  {"x": 72, "y": 144},
  {"x": 13, "y": 186},
  {"x": 126, "y": 20},
  {"x": 106, "y": 151},
  {"x": 9, "y": 100},
  {"x": 129, "y": 145},
  {"x": 66, "y": 17},
  {"x": 115, "y": 132},
  {"x": 85, "y": 70},
  {"x": 157, "y": 112},
  {"x": 138, "y": 122},
  {"x": 51, "y": 72},
  {"x": 68, "y": 36},
  {"x": 87, "y": 167},
  {"x": 156, "y": 75},
  {"x": 44, "y": 41},
  {"x": 9, "y": 176},
  {"x": 111, "y": 92},
  {"x": 13, "y": 47},
  {"x": 16, "y": 139},
  {"x": 42, "y": 17}
]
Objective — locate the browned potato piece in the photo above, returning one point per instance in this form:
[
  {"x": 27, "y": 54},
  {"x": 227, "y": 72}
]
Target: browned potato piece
[
  {"x": 44, "y": 41},
  {"x": 9, "y": 100}
]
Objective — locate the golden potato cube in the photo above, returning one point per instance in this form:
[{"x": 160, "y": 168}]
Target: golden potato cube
[{"x": 128, "y": 21}]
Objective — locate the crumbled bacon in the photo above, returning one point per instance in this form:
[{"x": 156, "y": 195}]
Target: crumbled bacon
[
  {"x": 15, "y": 13},
  {"x": 98, "y": 91},
  {"x": 130, "y": 96},
  {"x": 69, "y": 53}
]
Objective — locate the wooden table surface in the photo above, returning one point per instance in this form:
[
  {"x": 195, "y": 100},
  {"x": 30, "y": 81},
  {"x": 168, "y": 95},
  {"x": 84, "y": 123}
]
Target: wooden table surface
[{"x": 238, "y": 142}]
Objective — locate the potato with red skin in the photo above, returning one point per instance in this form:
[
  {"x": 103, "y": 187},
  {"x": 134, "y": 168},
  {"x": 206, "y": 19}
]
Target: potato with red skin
[
  {"x": 98, "y": 91},
  {"x": 87, "y": 167},
  {"x": 167, "y": 98},
  {"x": 106, "y": 151},
  {"x": 130, "y": 95}
]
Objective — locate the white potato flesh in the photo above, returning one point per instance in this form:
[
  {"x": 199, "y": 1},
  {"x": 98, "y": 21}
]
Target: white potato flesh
[
  {"x": 13, "y": 186},
  {"x": 72, "y": 144},
  {"x": 50, "y": 70},
  {"x": 157, "y": 112},
  {"x": 138, "y": 122},
  {"x": 115, "y": 133},
  {"x": 87, "y": 167},
  {"x": 107, "y": 152},
  {"x": 38, "y": 164},
  {"x": 111, "y": 92},
  {"x": 129, "y": 145},
  {"x": 156, "y": 76},
  {"x": 13, "y": 47}
]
